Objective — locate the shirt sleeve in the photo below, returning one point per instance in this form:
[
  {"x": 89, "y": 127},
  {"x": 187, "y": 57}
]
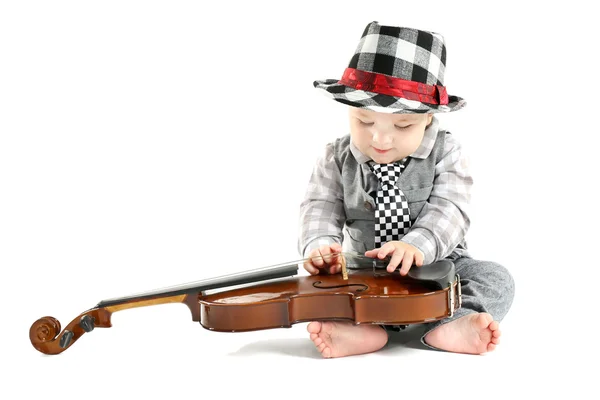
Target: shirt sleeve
[
  {"x": 322, "y": 213},
  {"x": 444, "y": 220}
]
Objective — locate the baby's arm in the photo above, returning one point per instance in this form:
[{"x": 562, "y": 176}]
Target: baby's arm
[
  {"x": 322, "y": 213},
  {"x": 444, "y": 221}
]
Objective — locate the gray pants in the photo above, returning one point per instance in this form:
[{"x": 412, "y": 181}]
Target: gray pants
[{"x": 486, "y": 287}]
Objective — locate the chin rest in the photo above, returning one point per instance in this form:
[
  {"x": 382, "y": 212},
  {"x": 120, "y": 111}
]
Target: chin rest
[{"x": 439, "y": 274}]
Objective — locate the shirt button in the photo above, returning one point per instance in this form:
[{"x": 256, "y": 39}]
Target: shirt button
[{"x": 368, "y": 205}]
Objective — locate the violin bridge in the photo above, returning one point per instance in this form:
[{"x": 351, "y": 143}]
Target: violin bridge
[{"x": 344, "y": 269}]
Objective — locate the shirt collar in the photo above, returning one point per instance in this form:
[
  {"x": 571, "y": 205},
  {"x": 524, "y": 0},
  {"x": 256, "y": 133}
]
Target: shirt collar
[{"x": 422, "y": 151}]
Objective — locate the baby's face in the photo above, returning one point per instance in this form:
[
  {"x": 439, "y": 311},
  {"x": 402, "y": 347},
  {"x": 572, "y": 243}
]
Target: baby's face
[{"x": 387, "y": 138}]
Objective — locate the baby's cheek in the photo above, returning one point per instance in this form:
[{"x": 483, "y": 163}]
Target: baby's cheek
[
  {"x": 409, "y": 146},
  {"x": 416, "y": 141},
  {"x": 361, "y": 143}
]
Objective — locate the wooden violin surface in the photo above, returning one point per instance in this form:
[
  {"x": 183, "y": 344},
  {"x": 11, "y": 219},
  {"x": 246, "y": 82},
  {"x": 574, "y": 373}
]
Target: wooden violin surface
[
  {"x": 363, "y": 298},
  {"x": 275, "y": 297}
]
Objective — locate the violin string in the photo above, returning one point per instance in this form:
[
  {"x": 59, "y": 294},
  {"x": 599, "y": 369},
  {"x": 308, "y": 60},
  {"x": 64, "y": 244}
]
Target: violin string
[{"x": 278, "y": 267}]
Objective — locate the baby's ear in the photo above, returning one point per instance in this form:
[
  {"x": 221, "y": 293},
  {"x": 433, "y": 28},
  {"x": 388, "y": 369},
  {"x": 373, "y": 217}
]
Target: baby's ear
[{"x": 428, "y": 120}]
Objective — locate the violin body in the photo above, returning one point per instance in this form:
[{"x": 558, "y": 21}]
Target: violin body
[
  {"x": 362, "y": 299},
  {"x": 267, "y": 298}
]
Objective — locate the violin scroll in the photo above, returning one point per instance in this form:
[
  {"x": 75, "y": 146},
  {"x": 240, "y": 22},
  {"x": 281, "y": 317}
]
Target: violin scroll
[
  {"x": 46, "y": 336},
  {"x": 43, "y": 330}
]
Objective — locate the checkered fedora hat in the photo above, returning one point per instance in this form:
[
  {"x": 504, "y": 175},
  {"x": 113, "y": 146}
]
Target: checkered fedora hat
[{"x": 395, "y": 70}]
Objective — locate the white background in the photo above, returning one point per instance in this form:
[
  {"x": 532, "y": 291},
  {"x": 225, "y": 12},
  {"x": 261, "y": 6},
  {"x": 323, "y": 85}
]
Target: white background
[{"x": 147, "y": 144}]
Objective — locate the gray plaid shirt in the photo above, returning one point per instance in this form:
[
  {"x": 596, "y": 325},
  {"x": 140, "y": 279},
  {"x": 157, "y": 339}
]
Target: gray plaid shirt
[{"x": 437, "y": 232}]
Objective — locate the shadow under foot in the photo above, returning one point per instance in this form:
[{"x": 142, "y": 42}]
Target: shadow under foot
[{"x": 299, "y": 347}]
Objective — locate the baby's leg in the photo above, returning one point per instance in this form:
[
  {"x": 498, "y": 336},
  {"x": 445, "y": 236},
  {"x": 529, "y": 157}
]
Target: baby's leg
[
  {"x": 340, "y": 339},
  {"x": 487, "y": 294}
]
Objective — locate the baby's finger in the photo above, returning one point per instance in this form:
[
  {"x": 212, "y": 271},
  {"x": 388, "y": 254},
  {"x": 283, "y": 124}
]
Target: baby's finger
[
  {"x": 336, "y": 247},
  {"x": 327, "y": 255},
  {"x": 316, "y": 256},
  {"x": 316, "y": 261},
  {"x": 407, "y": 262},
  {"x": 372, "y": 253},
  {"x": 418, "y": 258},
  {"x": 310, "y": 268},
  {"x": 385, "y": 250},
  {"x": 395, "y": 260},
  {"x": 336, "y": 268}
]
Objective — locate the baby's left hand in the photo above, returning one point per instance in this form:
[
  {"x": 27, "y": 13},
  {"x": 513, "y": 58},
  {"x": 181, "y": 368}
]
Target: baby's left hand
[{"x": 401, "y": 252}]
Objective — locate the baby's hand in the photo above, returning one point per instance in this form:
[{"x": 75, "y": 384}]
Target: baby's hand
[
  {"x": 329, "y": 262},
  {"x": 401, "y": 252}
]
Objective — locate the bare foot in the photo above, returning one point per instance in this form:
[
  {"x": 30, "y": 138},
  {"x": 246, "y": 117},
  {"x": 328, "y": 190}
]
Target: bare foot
[
  {"x": 340, "y": 339},
  {"x": 471, "y": 334}
]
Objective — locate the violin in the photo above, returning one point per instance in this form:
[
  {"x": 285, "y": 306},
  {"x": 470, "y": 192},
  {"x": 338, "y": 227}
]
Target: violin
[{"x": 274, "y": 297}]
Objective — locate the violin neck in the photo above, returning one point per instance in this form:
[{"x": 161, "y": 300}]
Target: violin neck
[
  {"x": 262, "y": 274},
  {"x": 353, "y": 260}
]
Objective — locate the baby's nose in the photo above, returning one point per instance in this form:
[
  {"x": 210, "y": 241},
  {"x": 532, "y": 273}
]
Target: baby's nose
[{"x": 381, "y": 137}]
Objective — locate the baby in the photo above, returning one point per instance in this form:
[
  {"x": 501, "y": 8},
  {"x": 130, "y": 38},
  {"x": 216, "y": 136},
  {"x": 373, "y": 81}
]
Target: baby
[{"x": 398, "y": 186}]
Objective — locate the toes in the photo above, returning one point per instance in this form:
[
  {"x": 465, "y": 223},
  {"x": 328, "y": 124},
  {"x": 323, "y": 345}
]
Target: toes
[
  {"x": 495, "y": 340},
  {"x": 496, "y": 333},
  {"x": 484, "y": 320},
  {"x": 494, "y": 326},
  {"x": 314, "y": 327},
  {"x": 491, "y": 347}
]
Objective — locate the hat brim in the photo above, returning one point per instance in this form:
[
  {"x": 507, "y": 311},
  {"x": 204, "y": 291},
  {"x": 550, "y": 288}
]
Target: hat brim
[{"x": 383, "y": 103}]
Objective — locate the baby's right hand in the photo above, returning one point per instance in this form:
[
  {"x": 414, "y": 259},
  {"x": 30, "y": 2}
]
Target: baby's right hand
[{"x": 328, "y": 262}]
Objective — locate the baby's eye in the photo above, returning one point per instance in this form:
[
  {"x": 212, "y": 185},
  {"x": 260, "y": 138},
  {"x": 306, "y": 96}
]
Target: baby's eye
[
  {"x": 403, "y": 127},
  {"x": 365, "y": 123}
]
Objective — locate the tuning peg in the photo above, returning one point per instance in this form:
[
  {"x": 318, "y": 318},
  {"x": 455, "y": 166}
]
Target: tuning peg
[
  {"x": 65, "y": 339},
  {"x": 87, "y": 323}
]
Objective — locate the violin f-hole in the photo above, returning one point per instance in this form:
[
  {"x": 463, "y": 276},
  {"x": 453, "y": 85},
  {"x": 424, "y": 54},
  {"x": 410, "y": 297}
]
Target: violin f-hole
[{"x": 363, "y": 287}]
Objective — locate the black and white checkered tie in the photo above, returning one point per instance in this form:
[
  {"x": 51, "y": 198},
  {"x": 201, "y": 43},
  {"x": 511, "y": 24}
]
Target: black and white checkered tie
[{"x": 392, "y": 215}]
